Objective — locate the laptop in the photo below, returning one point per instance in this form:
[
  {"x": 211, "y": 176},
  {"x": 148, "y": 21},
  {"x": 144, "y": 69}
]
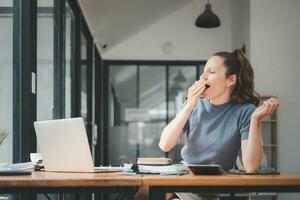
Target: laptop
[{"x": 64, "y": 146}]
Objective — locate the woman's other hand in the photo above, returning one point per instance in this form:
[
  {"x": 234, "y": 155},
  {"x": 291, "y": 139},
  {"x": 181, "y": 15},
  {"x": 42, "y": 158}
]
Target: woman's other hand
[{"x": 267, "y": 108}]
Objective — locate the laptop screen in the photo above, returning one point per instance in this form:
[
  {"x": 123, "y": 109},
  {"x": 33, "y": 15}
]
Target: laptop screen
[{"x": 64, "y": 145}]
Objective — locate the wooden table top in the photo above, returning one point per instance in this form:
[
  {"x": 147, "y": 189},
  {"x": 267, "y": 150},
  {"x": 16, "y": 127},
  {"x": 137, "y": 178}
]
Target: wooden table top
[
  {"x": 284, "y": 179},
  {"x": 55, "y": 179},
  {"x": 58, "y": 179}
]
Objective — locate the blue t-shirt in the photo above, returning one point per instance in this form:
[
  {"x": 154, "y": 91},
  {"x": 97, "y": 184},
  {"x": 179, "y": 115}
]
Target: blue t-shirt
[{"x": 214, "y": 133}]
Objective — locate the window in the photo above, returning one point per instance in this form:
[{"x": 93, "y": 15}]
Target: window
[
  {"x": 142, "y": 98},
  {"x": 45, "y": 60},
  {"x": 180, "y": 79},
  {"x": 69, "y": 17},
  {"x": 123, "y": 137},
  {"x": 6, "y": 77},
  {"x": 83, "y": 77}
]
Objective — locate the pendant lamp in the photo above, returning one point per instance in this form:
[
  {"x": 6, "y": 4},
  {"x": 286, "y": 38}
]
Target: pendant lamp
[{"x": 207, "y": 19}]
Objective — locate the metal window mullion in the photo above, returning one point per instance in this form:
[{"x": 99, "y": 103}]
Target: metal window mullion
[
  {"x": 167, "y": 93},
  {"x": 98, "y": 108},
  {"x": 89, "y": 84},
  {"x": 138, "y": 86},
  {"x": 59, "y": 68},
  {"x": 105, "y": 108},
  {"x": 167, "y": 100},
  {"x": 24, "y": 70},
  {"x": 75, "y": 61}
]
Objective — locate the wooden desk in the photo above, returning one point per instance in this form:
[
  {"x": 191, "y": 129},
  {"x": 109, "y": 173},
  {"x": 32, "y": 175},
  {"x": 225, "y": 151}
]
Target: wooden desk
[
  {"x": 40, "y": 182},
  {"x": 159, "y": 185}
]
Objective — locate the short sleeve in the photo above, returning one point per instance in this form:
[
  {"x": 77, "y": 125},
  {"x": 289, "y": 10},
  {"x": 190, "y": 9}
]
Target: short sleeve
[
  {"x": 245, "y": 119},
  {"x": 186, "y": 126}
]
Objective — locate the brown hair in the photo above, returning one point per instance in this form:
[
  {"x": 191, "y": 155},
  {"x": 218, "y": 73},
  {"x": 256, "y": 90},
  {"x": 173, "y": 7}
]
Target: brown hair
[{"x": 238, "y": 64}]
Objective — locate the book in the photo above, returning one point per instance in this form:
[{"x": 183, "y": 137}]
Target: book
[
  {"x": 175, "y": 169},
  {"x": 154, "y": 161}
]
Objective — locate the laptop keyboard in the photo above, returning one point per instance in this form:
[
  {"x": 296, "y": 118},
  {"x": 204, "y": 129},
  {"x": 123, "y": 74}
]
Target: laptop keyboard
[
  {"x": 188, "y": 196},
  {"x": 196, "y": 196}
]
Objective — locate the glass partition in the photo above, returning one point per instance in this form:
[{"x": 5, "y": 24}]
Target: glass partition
[
  {"x": 6, "y": 82},
  {"x": 45, "y": 59},
  {"x": 69, "y": 17},
  {"x": 83, "y": 76},
  {"x": 152, "y": 99},
  {"x": 180, "y": 79},
  {"x": 142, "y": 98},
  {"x": 122, "y": 95}
]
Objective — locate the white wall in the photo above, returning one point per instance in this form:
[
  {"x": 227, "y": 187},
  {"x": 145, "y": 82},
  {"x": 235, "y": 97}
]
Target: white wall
[
  {"x": 182, "y": 40},
  {"x": 240, "y": 23},
  {"x": 275, "y": 50}
]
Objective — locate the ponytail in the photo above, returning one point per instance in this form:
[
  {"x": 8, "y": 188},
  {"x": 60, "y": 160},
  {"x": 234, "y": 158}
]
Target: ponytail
[{"x": 238, "y": 64}]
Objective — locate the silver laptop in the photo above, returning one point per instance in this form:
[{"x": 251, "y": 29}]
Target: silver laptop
[{"x": 64, "y": 146}]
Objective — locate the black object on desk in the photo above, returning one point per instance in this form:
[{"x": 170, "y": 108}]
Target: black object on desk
[
  {"x": 205, "y": 169},
  {"x": 267, "y": 171},
  {"x": 11, "y": 172}
]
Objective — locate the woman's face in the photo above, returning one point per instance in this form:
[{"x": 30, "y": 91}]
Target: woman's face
[{"x": 219, "y": 87}]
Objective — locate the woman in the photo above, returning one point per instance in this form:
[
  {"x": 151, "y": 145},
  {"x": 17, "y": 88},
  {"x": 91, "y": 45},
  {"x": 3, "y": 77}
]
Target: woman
[{"x": 225, "y": 120}]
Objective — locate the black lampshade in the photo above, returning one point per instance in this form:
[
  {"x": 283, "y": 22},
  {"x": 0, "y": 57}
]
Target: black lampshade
[{"x": 207, "y": 19}]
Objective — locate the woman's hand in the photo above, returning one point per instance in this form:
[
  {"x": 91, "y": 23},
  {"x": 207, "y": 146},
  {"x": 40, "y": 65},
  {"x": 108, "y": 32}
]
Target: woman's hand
[
  {"x": 195, "y": 91},
  {"x": 267, "y": 108}
]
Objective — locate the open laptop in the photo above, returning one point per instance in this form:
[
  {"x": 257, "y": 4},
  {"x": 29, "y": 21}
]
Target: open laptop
[{"x": 64, "y": 146}]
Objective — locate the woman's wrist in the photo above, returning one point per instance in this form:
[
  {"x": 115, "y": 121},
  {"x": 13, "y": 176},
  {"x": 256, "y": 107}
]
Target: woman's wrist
[
  {"x": 189, "y": 106},
  {"x": 255, "y": 119}
]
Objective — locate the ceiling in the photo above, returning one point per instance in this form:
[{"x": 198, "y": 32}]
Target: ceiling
[{"x": 114, "y": 21}]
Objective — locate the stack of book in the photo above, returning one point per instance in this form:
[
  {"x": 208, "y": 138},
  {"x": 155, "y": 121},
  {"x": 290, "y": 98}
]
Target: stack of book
[{"x": 154, "y": 161}]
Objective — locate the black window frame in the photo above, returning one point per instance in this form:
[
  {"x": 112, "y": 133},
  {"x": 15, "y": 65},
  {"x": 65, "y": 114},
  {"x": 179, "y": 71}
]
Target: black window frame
[
  {"x": 59, "y": 67},
  {"x": 24, "y": 66}
]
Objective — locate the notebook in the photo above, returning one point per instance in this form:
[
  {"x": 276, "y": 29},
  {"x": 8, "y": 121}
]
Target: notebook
[
  {"x": 64, "y": 146},
  {"x": 154, "y": 161}
]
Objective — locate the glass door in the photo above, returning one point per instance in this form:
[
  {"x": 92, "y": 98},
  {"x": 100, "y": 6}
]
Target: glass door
[
  {"x": 86, "y": 83},
  {"x": 69, "y": 19},
  {"x": 45, "y": 45},
  {"x": 180, "y": 79},
  {"x": 122, "y": 135},
  {"x": 142, "y": 100},
  {"x": 6, "y": 77},
  {"x": 152, "y": 94}
]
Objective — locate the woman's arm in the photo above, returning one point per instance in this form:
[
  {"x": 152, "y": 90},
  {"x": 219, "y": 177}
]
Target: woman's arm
[
  {"x": 174, "y": 129},
  {"x": 252, "y": 148}
]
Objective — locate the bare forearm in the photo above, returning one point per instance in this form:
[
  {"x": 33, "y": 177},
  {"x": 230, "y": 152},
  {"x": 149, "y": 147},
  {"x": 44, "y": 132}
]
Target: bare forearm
[
  {"x": 254, "y": 150},
  {"x": 174, "y": 129}
]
